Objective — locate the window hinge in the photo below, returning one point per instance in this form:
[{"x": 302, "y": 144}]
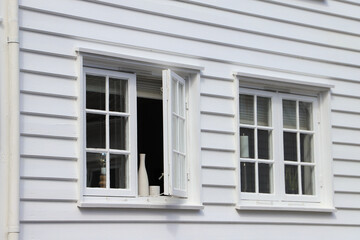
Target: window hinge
[
  {"x": 187, "y": 106},
  {"x": 188, "y": 176}
]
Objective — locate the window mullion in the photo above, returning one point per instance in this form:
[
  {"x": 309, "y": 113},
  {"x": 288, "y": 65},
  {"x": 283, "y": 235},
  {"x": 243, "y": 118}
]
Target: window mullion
[
  {"x": 107, "y": 130},
  {"x": 279, "y": 157},
  {"x": 298, "y": 147}
]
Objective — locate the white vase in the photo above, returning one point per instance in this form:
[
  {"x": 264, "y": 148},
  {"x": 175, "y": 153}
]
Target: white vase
[{"x": 143, "y": 180}]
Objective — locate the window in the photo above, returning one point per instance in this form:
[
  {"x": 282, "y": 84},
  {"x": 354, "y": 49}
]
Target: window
[
  {"x": 282, "y": 163},
  {"x": 142, "y": 109}
]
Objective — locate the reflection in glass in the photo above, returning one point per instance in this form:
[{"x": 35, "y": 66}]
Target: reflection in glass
[
  {"x": 95, "y": 131},
  {"x": 291, "y": 179},
  {"x": 305, "y": 116},
  {"x": 263, "y": 111},
  {"x": 174, "y": 95},
  {"x": 117, "y": 95},
  {"x": 290, "y": 146},
  {"x": 264, "y": 144},
  {"x": 179, "y": 171},
  {"x": 181, "y": 100},
  {"x": 96, "y": 170},
  {"x": 246, "y": 109},
  {"x": 306, "y": 147},
  {"x": 181, "y": 135},
  {"x": 265, "y": 178},
  {"x": 118, "y": 172},
  {"x": 250, "y": 147},
  {"x": 289, "y": 114},
  {"x": 95, "y": 92},
  {"x": 307, "y": 180},
  {"x": 175, "y": 133},
  {"x": 118, "y": 132},
  {"x": 247, "y": 177}
]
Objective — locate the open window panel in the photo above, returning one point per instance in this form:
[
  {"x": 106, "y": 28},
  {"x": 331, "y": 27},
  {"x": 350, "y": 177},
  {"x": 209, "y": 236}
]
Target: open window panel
[{"x": 161, "y": 131}]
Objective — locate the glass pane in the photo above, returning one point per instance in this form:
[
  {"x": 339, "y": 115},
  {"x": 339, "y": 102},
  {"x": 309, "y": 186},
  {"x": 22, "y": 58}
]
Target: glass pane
[
  {"x": 246, "y": 109},
  {"x": 305, "y": 116},
  {"x": 175, "y": 133},
  {"x": 247, "y": 143},
  {"x": 289, "y": 114},
  {"x": 181, "y": 100},
  {"x": 265, "y": 178},
  {"x": 263, "y": 111},
  {"x": 307, "y": 180},
  {"x": 182, "y": 172},
  {"x": 117, "y": 95},
  {"x": 118, "y": 132},
  {"x": 174, "y": 97},
  {"x": 290, "y": 146},
  {"x": 118, "y": 171},
  {"x": 264, "y": 144},
  {"x": 291, "y": 179},
  {"x": 95, "y": 131},
  {"x": 95, "y": 92},
  {"x": 176, "y": 171},
  {"x": 306, "y": 147},
  {"x": 181, "y": 135},
  {"x": 96, "y": 170},
  {"x": 247, "y": 177}
]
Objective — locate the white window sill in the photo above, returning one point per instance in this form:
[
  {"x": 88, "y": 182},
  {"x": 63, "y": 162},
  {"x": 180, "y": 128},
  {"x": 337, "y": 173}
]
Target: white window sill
[
  {"x": 285, "y": 206},
  {"x": 161, "y": 202}
]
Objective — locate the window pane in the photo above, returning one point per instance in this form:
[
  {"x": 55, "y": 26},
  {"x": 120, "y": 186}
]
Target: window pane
[
  {"x": 306, "y": 147},
  {"x": 174, "y": 97},
  {"x": 265, "y": 178},
  {"x": 305, "y": 116},
  {"x": 181, "y": 100},
  {"x": 118, "y": 132},
  {"x": 263, "y": 111},
  {"x": 290, "y": 146},
  {"x": 182, "y": 170},
  {"x": 307, "y": 180},
  {"x": 181, "y": 135},
  {"x": 176, "y": 171},
  {"x": 118, "y": 171},
  {"x": 264, "y": 144},
  {"x": 291, "y": 179},
  {"x": 175, "y": 133},
  {"x": 96, "y": 170},
  {"x": 117, "y": 95},
  {"x": 289, "y": 114},
  {"x": 247, "y": 143},
  {"x": 247, "y": 177},
  {"x": 95, "y": 131},
  {"x": 95, "y": 92},
  {"x": 246, "y": 109}
]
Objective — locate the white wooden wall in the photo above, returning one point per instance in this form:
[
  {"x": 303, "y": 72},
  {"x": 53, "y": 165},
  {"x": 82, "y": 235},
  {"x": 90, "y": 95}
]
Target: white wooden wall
[{"x": 311, "y": 40}]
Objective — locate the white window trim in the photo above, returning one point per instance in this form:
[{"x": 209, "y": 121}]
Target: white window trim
[
  {"x": 323, "y": 202},
  {"x": 194, "y": 199},
  {"x": 131, "y": 191}
]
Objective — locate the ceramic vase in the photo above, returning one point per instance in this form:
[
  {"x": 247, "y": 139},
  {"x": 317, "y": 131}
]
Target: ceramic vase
[{"x": 143, "y": 180}]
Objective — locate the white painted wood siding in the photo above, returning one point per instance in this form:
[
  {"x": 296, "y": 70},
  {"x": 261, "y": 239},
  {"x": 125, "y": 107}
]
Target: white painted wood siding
[{"x": 314, "y": 41}]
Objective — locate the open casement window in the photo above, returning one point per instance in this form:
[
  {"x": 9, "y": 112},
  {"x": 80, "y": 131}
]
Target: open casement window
[
  {"x": 279, "y": 158},
  {"x": 175, "y": 159}
]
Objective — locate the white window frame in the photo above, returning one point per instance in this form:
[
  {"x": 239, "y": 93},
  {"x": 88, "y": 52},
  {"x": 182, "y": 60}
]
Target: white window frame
[
  {"x": 132, "y": 131},
  {"x": 192, "y": 198},
  {"x": 278, "y": 89}
]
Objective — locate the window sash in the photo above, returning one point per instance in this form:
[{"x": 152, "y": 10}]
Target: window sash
[
  {"x": 175, "y": 155},
  {"x": 278, "y": 162},
  {"x": 129, "y": 152}
]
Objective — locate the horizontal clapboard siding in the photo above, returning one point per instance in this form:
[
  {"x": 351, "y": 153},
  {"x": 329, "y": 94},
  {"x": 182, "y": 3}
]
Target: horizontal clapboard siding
[{"x": 312, "y": 42}]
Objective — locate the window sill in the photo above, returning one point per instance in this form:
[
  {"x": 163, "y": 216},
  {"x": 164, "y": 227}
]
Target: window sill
[
  {"x": 161, "y": 202},
  {"x": 285, "y": 206}
]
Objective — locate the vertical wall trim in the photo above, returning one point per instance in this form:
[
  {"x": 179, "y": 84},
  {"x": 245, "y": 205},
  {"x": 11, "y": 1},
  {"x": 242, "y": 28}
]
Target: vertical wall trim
[{"x": 14, "y": 123}]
